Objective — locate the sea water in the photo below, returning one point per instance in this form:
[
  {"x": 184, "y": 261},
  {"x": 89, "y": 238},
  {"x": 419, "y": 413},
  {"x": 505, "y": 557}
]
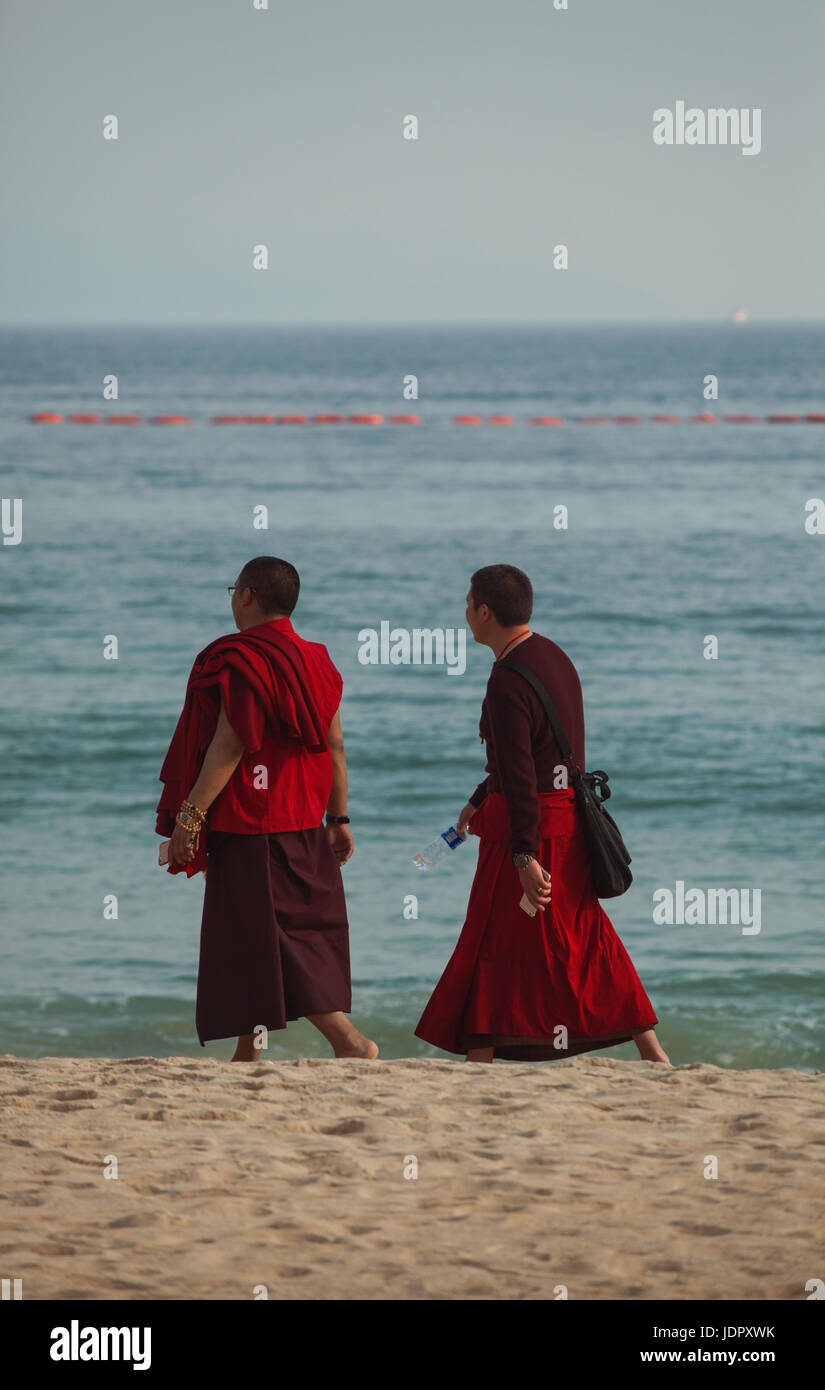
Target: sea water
[{"x": 675, "y": 534}]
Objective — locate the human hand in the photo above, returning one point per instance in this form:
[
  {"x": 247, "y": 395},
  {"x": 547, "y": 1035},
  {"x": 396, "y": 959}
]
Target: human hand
[
  {"x": 464, "y": 817},
  {"x": 536, "y": 884},
  {"x": 341, "y": 841},
  {"x": 181, "y": 850}
]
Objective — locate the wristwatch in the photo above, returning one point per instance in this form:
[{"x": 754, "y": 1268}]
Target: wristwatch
[
  {"x": 337, "y": 820},
  {"x": 522, "y": 860}
]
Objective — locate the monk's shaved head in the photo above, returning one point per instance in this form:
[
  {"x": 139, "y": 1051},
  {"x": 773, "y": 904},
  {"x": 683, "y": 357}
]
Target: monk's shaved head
[
  {"x": 507, "y": 592},
  {"x": 275, "y": 582}
]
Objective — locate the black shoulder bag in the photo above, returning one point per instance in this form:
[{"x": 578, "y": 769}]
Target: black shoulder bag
[{"x": 606, "y": 849}]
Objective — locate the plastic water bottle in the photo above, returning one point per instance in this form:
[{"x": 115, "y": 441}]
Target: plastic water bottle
[{"x": 439, "y": 849}]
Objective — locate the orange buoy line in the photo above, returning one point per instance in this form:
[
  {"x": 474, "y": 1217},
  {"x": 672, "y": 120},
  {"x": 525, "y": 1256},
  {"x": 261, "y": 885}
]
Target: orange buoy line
[{"x": 49, "y": 417}]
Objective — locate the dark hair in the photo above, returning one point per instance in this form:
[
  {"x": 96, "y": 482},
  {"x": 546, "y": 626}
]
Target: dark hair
[
  {"x": 507, "y": 592},
  {"x": 275, "y": 582}
]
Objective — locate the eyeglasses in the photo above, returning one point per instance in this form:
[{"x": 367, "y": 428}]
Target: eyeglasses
[{"x": 230, "y": 588}]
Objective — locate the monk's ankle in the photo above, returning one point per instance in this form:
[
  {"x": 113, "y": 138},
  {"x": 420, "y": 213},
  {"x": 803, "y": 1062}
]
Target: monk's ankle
[{"x": 356, "y": 1045}]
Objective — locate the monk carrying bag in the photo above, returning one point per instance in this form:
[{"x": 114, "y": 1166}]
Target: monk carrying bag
[{"x": 607, "y": 852}]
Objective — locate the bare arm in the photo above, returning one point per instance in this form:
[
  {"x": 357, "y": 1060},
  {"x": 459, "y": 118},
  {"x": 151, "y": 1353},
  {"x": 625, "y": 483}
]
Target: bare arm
[
  {"x": 220, "y": 760},
  {"x": 337, "y": 804},
  {"x": 339, "y": 836}
]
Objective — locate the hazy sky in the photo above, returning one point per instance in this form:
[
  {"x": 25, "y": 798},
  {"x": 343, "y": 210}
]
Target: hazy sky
[{"x": 284, "y": 127}]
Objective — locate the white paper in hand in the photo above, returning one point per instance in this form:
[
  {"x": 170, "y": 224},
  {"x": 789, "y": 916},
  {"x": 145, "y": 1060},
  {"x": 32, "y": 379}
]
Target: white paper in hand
[{"x": 526, "y": 905}]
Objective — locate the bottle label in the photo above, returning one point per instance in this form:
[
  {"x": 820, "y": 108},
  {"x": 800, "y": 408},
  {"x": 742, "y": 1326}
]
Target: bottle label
[{"x": 452, "y": 837}]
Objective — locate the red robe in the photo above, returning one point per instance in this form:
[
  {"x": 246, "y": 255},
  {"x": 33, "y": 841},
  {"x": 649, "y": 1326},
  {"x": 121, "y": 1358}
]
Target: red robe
[
  {"x": 513, "y": 979},
  {"x": 276, "y": 690}
]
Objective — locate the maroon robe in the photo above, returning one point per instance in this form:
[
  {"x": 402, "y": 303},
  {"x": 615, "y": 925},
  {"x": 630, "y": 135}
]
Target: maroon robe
[
  {"x": 274, "y": 942},
  {"x": 514, "y": 980},
  {"x": 524, "y": 985},
  {"x": 274, "y": 933}
]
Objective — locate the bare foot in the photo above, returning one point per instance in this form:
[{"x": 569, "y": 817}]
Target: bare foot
[
  {"x": 343, "y": 1037},
  {"x": 357, "y": 1046},
  {"x": 650, "y": 1049},
  {"x": 246, "y": 1051}
]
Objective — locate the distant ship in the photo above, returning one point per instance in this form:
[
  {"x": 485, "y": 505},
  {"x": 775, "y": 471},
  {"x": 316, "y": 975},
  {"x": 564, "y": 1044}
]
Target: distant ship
[{"x": 739, "y": 316}]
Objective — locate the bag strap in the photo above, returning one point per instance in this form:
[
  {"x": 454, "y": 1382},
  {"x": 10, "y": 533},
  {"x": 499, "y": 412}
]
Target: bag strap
[{"x": 549, "y": 708}]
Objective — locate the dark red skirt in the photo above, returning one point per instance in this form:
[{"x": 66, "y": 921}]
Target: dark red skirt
[
  {"x": 274, "y": 934},
  {"x": 525, "y": 984}
]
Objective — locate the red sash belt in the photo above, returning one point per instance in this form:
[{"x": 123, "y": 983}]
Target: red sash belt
[{"x": 557, "y": 816}]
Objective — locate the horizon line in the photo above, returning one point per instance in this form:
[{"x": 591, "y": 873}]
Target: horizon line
[{"x": 411, "y": 323}]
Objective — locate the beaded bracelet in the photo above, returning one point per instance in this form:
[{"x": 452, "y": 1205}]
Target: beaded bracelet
[{"x": 189, "y": 817}]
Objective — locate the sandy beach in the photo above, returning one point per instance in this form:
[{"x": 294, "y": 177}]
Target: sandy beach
[{"x": 584, "y": 1176}]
